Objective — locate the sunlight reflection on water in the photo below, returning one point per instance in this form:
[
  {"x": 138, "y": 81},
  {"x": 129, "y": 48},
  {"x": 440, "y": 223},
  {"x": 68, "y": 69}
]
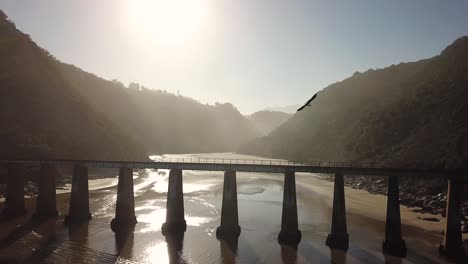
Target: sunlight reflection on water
[
  {"x": 190, "y": 188},
  {"x": 155, "y": 218},
  {"x": 161, "y": 184},
  {"x": 157, "y": 253},
  {"x": 260, "y": 210}
]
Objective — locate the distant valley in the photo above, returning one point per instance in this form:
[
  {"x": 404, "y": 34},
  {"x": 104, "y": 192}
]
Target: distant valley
[
  {"x": 410, "y": 113},
  {"x": 266, "y": 121}
]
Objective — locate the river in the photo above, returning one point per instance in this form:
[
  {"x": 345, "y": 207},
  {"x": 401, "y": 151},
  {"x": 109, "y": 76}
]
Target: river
[{"x": 260, "y": 204}]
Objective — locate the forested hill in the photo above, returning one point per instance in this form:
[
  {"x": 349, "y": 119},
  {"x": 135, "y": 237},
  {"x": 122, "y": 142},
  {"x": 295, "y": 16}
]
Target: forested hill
[
  {"x": 41, "y": 115},
  {"x": 411, "y": 113},
  {"x": 53, "y": 110},
  {"x": 161, "y": 121}
]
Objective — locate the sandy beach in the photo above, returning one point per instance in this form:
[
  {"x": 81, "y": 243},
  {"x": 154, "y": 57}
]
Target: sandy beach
[{"x": 260, "y": 203}]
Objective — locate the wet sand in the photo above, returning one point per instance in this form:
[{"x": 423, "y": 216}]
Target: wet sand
[{"x": 260, "y": 203}]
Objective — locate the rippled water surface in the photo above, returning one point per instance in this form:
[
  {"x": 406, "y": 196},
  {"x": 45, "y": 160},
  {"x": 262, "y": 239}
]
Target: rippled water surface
[{"x": 260, "y": 204}]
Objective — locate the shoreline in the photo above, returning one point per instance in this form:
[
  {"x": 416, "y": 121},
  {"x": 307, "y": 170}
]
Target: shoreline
[
  {"x": 93, "y": 184},
  {"x": 361, "y": 206},
  {"x": 428, "y": 207},
  {"x": 373, "y": 206},
  {"x": 359, "y": 202}
]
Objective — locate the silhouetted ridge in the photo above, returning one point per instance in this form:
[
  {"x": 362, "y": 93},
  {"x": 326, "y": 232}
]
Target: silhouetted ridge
[
  {"x": 55, "y": 110},
  {"x": 161, "y": 121},
  {"x": 410, "y": 114},
  {"x": 41, "y": 117},
  {"x": 459, "y": 48}
]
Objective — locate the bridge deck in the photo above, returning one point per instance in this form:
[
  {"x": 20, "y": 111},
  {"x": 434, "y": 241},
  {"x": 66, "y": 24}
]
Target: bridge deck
[{"x": 243, "y": 165}]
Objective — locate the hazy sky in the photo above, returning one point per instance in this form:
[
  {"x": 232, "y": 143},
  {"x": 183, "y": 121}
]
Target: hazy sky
[{"x": 253, "y": 53}]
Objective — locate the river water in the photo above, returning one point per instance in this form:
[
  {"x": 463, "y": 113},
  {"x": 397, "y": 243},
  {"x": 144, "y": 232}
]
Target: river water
[{"x": 260, "y": 204}]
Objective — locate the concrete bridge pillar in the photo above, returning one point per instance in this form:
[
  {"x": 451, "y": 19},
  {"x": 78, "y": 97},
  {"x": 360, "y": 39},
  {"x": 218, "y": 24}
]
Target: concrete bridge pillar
[
  {"x": 338, "y": 238},
  {"x": 175, "y": 219},
  {"x": 79, "y": 198},
  {"x": 452, "y": 245},
  {"x": 46, "y": 201},
  {"x": 393, "y": 244},
  {"x": 229, "y": 213},
  {"x": 125, "y": 218},
  {"x": 14, "y": 202},
  {"x": 290, "y": 233}
]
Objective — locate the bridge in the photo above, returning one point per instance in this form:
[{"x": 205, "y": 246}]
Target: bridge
[{"x": 125, "y": 218}]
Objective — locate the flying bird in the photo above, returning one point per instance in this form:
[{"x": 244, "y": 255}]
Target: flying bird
[{"x": 308, "y": 102}]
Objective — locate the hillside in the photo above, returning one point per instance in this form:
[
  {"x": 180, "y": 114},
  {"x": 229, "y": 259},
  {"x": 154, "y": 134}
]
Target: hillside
[
  {"x": 266, "y": 121},
  {"x": 162, "y": 122},
  {"x": 407, "y": 114},
  {"x": 53, "y": 109},
  {"x": 41, "y": 116}
]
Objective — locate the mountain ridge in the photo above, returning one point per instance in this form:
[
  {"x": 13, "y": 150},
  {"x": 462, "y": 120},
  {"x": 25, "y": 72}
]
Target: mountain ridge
[
  {"x": 407, "y": 114},
  {"x": 56, "y": 110}
]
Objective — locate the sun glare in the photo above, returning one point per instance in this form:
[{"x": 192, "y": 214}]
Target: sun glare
[{"x": 168, "y": 24}]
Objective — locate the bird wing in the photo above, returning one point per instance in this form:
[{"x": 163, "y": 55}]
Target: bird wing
[
  {"x": 307, "y": 103},
  {"x": 302, "y": 107}
]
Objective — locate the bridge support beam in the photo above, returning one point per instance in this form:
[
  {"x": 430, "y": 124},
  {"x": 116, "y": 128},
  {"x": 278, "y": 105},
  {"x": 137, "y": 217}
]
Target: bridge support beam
[
  {"x": 229, "y": 214},
  {"x": 125, "y": 218},
  {"x": 452, "y": 245},
  {"x": 14, "y": 202},
  {"x": 338, "y": 238},
  {"x": 46, "y": 206},
  {"x": 290, "y": 233},
  {"x": 79, "y": 199},
  {"x": 175, "y": 218},
  {"x": 393, "y": 244}
]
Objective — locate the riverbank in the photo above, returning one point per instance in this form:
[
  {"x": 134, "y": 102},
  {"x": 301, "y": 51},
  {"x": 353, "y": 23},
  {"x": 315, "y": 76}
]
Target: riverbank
[
  {"x": 363, "y": 208},
  {"x": 94, "y": 184},
  {"x": 260, "y": 207},
  {"x": 423, "y": 196},
  {"x": 21, "y": 231}
]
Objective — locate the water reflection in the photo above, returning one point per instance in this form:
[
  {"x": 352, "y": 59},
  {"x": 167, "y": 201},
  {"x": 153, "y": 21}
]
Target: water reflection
[
  {"x": 124, "y": 243},
  {"x": 289, "y": 254},
  {"x": 228, "y": 248},
  {"x": 338, "y": 256},
  {"x": 78, "y": 234},
  {"x": 392, "y": 259},
  {"x": 260, "y": 205},
  {"x": 175, "y": 244},
  {"x": 155, "y": 216}
]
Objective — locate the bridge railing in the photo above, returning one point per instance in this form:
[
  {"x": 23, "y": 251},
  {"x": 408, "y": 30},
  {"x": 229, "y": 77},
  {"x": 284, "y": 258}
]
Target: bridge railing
[{"x": 312, "y": 163}]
